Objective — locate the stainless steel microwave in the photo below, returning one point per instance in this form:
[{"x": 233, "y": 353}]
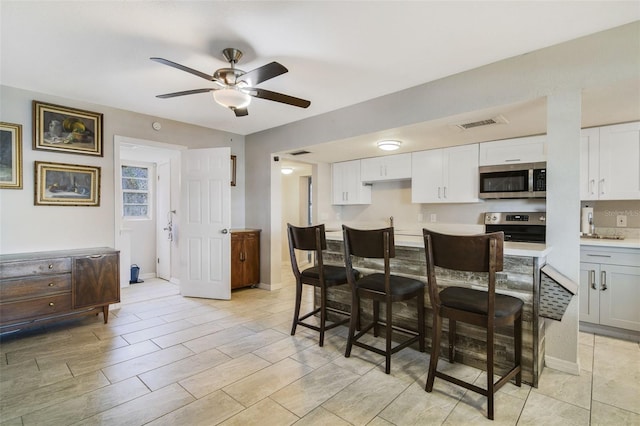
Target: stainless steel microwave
[{"x": 525, "y": 180}]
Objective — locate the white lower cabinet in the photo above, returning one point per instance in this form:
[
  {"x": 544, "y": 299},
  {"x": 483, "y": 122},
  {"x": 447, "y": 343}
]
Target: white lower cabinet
[
  {"x": 447, "y": 175},
  {"x": 610, "y": 287}
]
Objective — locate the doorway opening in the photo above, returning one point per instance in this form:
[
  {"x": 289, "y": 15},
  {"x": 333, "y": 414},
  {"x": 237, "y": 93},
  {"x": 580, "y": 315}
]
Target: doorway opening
[{"x": 146, "y": 196}]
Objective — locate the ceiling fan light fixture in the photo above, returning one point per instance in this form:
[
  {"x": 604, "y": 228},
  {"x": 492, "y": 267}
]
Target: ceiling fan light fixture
[
  {"x": 286, "y": 170},
  {"x": 389, "y": 145},
  {"x": 232, "y": 98}
]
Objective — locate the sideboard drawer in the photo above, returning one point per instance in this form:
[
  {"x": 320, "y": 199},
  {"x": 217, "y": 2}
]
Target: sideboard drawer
[
  {"x": 28, "y": 288},
  {"x": 35, "y": 267},
  {"x": 27, "y": 309}
]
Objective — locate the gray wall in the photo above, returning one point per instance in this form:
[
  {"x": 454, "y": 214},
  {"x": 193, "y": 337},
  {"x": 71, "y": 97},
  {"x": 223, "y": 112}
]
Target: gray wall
[
  {"x": 560, "y": 73},
  {"x": 25, "y": 227}
]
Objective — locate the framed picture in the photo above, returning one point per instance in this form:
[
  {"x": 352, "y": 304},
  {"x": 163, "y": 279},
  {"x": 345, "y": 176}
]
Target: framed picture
[
  {"x": 58, "y": 128},
  {"x": 10, "y": 156},
  {"x": 233, "y": 170},
  {"x": 60, "y": 184}
]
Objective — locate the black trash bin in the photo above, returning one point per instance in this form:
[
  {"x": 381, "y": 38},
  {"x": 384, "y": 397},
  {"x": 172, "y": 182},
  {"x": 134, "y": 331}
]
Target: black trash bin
[{"x": 135, "y": 273}]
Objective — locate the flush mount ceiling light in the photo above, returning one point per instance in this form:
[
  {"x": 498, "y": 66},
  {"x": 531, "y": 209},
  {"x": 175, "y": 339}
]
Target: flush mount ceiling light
[
  {"x": 286, "y": 170},
  {"x": 389, "y": 145},
  {"x": 232, "y": 98}
]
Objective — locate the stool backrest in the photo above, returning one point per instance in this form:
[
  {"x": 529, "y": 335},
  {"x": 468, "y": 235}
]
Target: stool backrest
[
  {"x": 306, "y": 238},
  {"x": 369, "y": 243},
  {"x": 466, "y": 252}
]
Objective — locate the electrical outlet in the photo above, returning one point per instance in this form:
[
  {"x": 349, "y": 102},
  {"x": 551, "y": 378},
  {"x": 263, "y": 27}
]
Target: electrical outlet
[
  {"x": 621, "y": 221},
  {"x": 433, "y": 217}
]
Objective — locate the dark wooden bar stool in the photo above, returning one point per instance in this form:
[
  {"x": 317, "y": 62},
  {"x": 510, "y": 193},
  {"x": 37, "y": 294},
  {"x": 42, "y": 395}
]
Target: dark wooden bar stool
[
  {"x": 313, "y": 239},
  {"x": 380, "y": 287},
  {"x": 473, "y": 253}
]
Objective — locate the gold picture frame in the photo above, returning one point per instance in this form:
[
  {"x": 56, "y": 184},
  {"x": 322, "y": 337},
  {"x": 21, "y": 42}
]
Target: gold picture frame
[
  {"x": 233, "y": 170},
  {"x": 64, "y": 129},
  {"x": 59, "y": 184},
  {"x": 10, "y": 156}
]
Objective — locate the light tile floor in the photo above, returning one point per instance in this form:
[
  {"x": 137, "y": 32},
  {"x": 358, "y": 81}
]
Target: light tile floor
[{"x": 168, "y": 360}]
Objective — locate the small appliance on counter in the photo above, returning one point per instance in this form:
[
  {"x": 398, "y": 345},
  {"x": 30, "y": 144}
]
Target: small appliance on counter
[
  {"x": 587, "y": 227},
  {"x": 526, "y": 227}
]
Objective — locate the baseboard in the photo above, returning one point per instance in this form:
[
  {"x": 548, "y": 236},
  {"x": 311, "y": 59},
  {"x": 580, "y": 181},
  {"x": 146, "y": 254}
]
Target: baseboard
[
  {"x": 269, "y": 287},
  {"x": 562, "y": 365}
]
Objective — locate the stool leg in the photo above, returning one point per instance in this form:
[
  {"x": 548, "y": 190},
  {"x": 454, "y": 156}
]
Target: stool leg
[
  {"x": 436, "y": 330},
  {"x": 452, "y": 340},
  {"x": 517, "y": 334},
  {"x": 388, "y": 332},
  {"x": 353, "y": 323},
  {"x": 296, "y": 310},
  {"x": 490, "y": 384},
  {"x": 376, "y": 318},
  {"x": 420, "y": 304},
  {"x": 323, "y": 311}
]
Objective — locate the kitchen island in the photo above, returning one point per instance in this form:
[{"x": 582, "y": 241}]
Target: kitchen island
[{"x": 520, "y": 278}]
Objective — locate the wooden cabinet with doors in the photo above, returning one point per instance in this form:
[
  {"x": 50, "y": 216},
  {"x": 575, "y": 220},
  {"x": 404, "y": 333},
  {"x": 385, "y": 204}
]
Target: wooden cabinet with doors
[
  {"x": 41, "y": 287},
  {"x": 245, "y": 257}
]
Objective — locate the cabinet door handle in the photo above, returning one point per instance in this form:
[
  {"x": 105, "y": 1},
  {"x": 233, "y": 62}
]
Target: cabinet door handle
[
  {"x": 444, "y": 191},
  {"x": 51, "y": 284},
  {"x": 95, "y": 256},
  {"x": 51, "y": 304},
  {"x": 439, "y": 193},
  {"x": 592, "y": 279},
  {"x": 592, "y": 185},
  {"x": 511, "y": 160},
  {"x": 603, "y": 280},
  {"x": 602, "y": 186},
  {"x": 51, "y": 266}
]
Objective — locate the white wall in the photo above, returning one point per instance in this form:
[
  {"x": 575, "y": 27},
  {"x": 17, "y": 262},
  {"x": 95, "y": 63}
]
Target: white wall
[
  {"x": 25, "y": 227},
  {"x": 597, "y": 60}
]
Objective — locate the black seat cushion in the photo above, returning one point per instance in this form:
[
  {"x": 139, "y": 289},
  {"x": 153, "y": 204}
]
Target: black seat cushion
[
  {"x": 400, "y": 286},
  {"x": 470, "y": 300},
  {"x": 333, "y": 275}
]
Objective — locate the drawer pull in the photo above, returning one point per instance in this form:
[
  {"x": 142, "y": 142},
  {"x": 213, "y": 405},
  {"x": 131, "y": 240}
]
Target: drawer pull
[
  {"x": 95, "y": 256},
  {"x": 51, "y": 303},
  {"x": 51, "y": 266},
  {"x": 52, "y": 284},
  {"x": 598, "y": 255}
]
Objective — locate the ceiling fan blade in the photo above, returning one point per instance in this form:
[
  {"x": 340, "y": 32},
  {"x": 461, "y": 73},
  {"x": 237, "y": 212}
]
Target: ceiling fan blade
[
  {"x": 263, "y": 73},
  {"x": 183, "y": 68},
  {"x": 240, "y": 112},
  {"x": 186, "y": 92},
  {"x": 279, "y": 97}
]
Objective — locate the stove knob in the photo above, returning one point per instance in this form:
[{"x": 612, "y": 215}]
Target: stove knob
[{"x": 542, "y": 218}]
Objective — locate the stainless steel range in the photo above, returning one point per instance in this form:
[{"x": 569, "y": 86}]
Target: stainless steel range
[{"x": 528, "y": 227}]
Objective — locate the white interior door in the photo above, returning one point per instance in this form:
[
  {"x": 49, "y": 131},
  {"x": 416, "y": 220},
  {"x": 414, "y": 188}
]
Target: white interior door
[
  {"x": 164, "y": 222},
  {"x": 205, "y": 218}
]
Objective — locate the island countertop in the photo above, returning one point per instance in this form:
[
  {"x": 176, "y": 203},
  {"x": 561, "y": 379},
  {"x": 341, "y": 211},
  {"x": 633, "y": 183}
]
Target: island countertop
[{"x": 415, "y": 239}]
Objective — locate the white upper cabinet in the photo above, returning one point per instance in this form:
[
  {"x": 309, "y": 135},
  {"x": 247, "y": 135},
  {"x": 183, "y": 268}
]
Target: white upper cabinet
[
  {"x": 531, "y": 149},
  {"x": 610, "y": 162},
  {"x": 389, "y": 167},
  {"x": 347, "y": 187},
  {"x": 447, "y": 175}
]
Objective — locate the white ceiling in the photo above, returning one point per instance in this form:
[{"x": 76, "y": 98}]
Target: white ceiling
[{"x": 338, "y": 53}]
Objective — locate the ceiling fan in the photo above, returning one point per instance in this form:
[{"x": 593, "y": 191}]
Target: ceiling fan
[{"x": 234, "y": 87}]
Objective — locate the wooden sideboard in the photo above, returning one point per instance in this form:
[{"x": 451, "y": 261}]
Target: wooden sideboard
[
  {"x": 245, "y": 257},
  {"x": 36, "y": 288}
]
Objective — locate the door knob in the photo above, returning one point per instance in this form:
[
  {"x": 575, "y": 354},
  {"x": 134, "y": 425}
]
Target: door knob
[{"x": 225, "y": 231}]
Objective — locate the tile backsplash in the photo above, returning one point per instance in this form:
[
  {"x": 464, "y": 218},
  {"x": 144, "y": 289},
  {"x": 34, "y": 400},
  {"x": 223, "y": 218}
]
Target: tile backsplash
[{"x": 605, "y": 214}]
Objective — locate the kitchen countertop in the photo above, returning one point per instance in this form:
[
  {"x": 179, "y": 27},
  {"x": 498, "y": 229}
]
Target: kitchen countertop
[
  {"x": 596, "y": 242},
  {"x": 410, "y": 239}
]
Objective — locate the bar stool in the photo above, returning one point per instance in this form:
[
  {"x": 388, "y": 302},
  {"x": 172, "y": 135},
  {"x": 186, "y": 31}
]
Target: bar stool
[
  {"x": 471, "y": 253},
  {"x": 380, "y": 287},
  {"x": 313, "y": 239}
]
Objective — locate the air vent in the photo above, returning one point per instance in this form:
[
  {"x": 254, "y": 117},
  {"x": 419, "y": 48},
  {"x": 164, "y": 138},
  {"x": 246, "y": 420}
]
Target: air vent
[
  {"x": 301, "y": 152},
  {"x": 499, "y": 119}
]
